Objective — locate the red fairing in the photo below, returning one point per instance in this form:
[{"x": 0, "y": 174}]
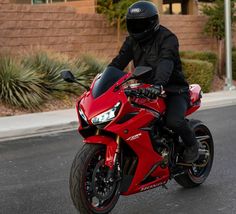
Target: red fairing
[
  {"x": 195, "y": 97},
  {"x": 130, "y": 130},
  {"x": 110, "y": 144}
]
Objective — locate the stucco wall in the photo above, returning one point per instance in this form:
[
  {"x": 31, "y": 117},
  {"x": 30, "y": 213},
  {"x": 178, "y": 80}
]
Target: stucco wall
[{"x": 62, "y": 29}]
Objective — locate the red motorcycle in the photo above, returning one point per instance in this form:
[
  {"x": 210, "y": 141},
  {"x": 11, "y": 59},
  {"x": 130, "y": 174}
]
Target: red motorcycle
[{"x": 127, "y": 147}]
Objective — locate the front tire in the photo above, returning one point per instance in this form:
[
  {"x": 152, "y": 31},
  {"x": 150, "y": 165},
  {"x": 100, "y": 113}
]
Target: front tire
[
  {"x": 89, "y": 191},
  {"x": 197, "y": 175}
]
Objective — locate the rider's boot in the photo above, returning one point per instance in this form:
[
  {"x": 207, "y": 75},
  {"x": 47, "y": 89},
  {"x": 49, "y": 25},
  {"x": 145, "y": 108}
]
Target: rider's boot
[{"x": 191, "y": 153}]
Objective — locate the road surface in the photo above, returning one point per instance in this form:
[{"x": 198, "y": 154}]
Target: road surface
[{"x": 34, "y": 176}]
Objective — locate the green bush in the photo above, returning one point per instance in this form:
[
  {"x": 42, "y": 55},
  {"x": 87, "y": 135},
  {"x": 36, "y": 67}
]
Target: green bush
[
  {"x": 204, "y": 56},
  {"x": 234, "y": 64},
  {"x": 200, "y": 72},
  {"x": 20, "y": 86}
]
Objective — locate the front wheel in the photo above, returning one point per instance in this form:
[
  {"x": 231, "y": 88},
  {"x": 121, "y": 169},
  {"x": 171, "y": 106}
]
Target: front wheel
[
  {"x": 90, "y": 190},
  {"x": 197, "y": 174}
]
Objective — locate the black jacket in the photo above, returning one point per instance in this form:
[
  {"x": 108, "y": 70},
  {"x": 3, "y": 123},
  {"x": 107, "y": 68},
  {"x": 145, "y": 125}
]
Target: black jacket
[{"x": 161, "y": 52}]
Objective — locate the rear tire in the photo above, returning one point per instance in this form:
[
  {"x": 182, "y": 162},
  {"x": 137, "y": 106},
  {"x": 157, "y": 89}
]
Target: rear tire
[
  {"x": 86, "y": 182},
  {"x": 197, "y": 175}
]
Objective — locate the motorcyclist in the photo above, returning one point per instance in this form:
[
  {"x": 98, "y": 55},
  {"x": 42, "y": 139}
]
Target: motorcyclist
[{"x": 151, "y": 44}]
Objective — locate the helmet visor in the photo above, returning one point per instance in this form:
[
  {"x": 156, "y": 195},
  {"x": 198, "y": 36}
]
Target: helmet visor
[{"x": 135, "y": 26}]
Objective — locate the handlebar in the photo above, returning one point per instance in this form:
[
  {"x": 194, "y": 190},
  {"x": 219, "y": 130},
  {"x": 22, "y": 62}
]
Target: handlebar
[{"x": 136, "y": 93}]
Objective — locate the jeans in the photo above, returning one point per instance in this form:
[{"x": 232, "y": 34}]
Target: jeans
[{"x": 177, "y": 105}]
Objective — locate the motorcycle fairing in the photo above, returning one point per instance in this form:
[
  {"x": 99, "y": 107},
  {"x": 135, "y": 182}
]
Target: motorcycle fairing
[
  {"x": 111, "y": 147},
  {"x": 130, "y": 132}
]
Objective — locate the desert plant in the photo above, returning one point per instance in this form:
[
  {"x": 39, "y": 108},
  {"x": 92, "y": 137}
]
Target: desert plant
[
  {"x": 200, "y": 72},
  {"x": 88, "y": 67},
  {"x": 29, "y": 81},
  {"x": 48, "y": 65},
  {"x": 20, "y": 86}
]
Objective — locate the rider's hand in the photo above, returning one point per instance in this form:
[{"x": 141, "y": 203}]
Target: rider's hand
[{"x": 152, "y": 92}]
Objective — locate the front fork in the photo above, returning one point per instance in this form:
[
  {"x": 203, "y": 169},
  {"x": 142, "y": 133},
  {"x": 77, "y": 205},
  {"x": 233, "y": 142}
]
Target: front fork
[
  {"x": 112, "y": 148},
  {"x": 116, "y": 166}
]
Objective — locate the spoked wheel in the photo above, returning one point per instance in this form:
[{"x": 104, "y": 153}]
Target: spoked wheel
[
  {"x": 92, "y": 189},
  {"x": 199, "y": 171}
]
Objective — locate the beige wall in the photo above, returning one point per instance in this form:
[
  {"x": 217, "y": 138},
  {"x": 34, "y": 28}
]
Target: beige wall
[{"x": 62, "y": 29}]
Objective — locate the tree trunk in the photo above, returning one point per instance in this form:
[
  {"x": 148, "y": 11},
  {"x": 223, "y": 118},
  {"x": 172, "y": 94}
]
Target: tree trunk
[{"x": 118, "y": 32}]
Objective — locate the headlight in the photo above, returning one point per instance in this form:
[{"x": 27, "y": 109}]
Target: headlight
[
  {"x": 83, "y": 115},
  {"x": 107, "y": 115}
]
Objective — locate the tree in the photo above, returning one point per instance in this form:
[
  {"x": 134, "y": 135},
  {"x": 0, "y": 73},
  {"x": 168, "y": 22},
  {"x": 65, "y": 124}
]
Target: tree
[
  {"x": 215, "y": 26},
  {"x": 115, "y": 11}
]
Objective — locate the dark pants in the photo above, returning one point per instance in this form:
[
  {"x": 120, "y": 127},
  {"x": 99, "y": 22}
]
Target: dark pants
[{"x": 177, "y": 105}]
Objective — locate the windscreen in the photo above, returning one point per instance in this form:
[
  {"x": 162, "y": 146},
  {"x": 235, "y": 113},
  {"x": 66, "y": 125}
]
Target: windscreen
[{"x": 108, "y": 78}]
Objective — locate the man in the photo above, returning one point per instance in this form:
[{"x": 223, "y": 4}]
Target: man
[{"x": 150, "y": 44}]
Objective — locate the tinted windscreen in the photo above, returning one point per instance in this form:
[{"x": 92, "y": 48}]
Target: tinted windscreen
[{"x": 108, "y": 78}]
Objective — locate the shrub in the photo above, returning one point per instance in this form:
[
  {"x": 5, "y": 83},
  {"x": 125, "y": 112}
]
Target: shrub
[
  {"x": 200, "y": 72},
  {"x": 204, "y": 56},
  {"x": 49, "y": 65},
  {"x": 20, "y": 86},
  {"x": 88, "y": 67},
  {"x": 35, "y": 78},
  {"x": 234, "y": 64}
]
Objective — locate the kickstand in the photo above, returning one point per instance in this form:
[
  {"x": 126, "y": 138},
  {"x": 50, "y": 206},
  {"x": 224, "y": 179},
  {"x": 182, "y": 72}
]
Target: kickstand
[{"x": 164, "y": 186}]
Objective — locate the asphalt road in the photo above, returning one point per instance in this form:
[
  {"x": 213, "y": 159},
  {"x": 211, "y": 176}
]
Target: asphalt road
[{"x": 34, "y": 176}]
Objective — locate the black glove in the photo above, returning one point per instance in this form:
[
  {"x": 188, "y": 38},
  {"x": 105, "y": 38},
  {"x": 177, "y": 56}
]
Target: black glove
[{"x": 152, "y": 92}]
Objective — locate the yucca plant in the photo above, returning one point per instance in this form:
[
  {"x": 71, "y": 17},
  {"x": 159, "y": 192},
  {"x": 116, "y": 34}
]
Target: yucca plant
[
  {"x": 88, "y": 67},
  {"x": 49, "y": 65},
  {"x": 20, "y": 86}
]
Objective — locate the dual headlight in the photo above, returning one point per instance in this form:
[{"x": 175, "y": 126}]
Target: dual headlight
[{"x": 105, "y": 116}]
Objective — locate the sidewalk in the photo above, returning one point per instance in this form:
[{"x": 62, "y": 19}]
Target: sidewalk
[{"x": 36, "y": 124}]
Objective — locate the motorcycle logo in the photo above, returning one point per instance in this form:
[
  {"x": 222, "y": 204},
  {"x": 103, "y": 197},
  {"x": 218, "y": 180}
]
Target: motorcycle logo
[{"x": 134, "y": 137}]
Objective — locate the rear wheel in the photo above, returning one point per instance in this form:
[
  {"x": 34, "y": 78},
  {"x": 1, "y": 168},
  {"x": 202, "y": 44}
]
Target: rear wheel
[
  {"x": 90, "y": 189},
  {"x": 200, "y": 170}
]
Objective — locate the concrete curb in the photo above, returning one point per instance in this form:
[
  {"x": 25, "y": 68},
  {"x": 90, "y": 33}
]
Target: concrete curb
[
  {"x": 35, "y": 132},
  {"x": 39, "y": 124}
]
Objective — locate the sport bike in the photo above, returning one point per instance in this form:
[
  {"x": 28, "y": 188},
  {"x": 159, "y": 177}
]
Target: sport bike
[{"x": 127, "y": 147}]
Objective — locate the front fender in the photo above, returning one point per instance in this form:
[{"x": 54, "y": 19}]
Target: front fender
[{"x": 111, "y": 147}]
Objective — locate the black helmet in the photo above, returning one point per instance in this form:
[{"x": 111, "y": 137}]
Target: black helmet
[{"x": 142, "y": 20}]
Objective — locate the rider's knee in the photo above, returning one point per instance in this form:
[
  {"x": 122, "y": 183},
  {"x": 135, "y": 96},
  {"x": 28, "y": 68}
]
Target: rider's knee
[{"x": 174, "y": 124}]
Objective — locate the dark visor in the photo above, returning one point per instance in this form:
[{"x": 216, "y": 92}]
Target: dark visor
[{"x": 139, "y": 25}]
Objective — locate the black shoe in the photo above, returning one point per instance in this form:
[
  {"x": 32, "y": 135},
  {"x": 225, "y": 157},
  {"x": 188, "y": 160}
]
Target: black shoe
[{"x": 191, "y": 153}]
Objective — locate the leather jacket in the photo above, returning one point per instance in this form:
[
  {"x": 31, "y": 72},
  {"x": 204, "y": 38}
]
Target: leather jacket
[{"x": 161, "y": 52}]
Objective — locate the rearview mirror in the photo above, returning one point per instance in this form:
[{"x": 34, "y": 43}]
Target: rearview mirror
[
  {"x": 141, "y": 71},
  {"x": 67, "y": 75}
]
